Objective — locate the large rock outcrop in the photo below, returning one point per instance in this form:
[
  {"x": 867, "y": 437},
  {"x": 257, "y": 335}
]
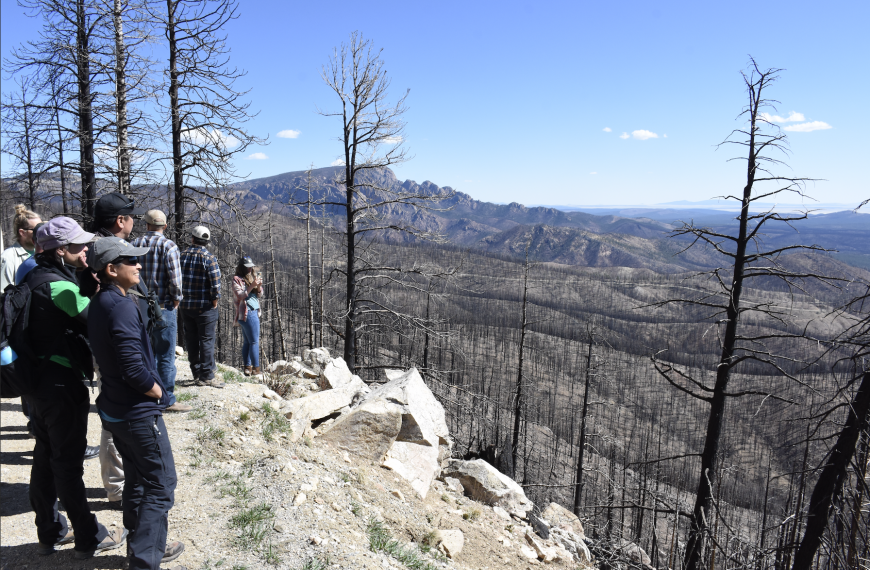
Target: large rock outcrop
[
  {"x": 400, "y": 425},
  {"x": 485, "y": 483},
  {"x": 303, "y": 412}
]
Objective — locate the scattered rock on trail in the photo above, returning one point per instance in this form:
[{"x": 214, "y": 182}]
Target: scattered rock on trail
[
  {"x": 334, "y": 375},
  {"x": 485, "y": 483},
  {"x": 558, "y": 516},
  {"x": 302, "y": 412},
  {"x": 450, "y": 542}
]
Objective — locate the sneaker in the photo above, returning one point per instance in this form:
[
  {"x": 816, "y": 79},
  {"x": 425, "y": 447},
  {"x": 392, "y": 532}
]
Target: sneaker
[
  {"x": 178, "y": 407},
  {"x": 45, "y": 549},
  {"x": 116, "y": 505},
  {"x": 213, "y": 382},
  {"x": 173, "y": 551},
  {"x": 115, "y": 539},
  {"x": 92, "y": 452}
]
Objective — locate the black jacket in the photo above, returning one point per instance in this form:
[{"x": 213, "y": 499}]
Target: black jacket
[{"x": 123, "y": 352}]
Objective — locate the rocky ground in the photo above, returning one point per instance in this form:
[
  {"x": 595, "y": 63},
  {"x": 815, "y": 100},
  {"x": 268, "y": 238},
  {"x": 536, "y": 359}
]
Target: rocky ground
[{"x": 248, "y": 497}]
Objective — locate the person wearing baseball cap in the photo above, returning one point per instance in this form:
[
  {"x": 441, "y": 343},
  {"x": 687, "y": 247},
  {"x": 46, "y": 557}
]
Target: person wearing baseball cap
[
  {"x": 161, "y": 271},
  {"x": 114, "y": 216},
  {"x": 60, "y": 404},
  {"x": 201, "y": 289},
  {"x": 131, "y": 402}
]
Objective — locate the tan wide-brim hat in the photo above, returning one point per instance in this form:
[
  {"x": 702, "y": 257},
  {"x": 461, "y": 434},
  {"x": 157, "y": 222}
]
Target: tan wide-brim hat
[{"x": 155, "y": 218}]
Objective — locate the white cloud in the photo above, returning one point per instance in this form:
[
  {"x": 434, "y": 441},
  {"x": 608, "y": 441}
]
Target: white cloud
[
  {"x": 793, "y": 117},
  {"x": 808, "y": 127},
  {"x": 593, "y": 173},
  {"x": 643, "y": 135},
  {"x": 288, "y": 134},
  {"x": 257, "y": 156},
  {"x": 607, "y": 130},
  {"x": 210, "y": 136},
  {"x": 337, "y": 162},
  {"x": 392, "y": 140},
  {"x": 665, "y": 136},
  {"x": 623, "y": 136}
]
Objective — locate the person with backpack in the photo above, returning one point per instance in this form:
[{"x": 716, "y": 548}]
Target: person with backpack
[
  {"x": 247, "y": 288},
  {"x": 114, "y": 216},
  {"x": 131, "y": 403},
  {"x": 59, "y": 403},
  {"x": 161, "y": 270}
]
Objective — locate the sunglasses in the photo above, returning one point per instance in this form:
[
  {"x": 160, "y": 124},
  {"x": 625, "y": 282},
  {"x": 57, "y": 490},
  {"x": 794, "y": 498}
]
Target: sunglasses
[{"x": 125, "y": 261}]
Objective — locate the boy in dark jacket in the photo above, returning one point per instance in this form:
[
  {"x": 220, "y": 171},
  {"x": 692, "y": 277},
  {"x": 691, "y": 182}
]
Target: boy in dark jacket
[
  {"x": 59, "y": 406},
  {"x": 131, "y": 403}
]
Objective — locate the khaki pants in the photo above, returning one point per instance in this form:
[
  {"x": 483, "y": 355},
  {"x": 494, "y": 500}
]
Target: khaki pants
[{"x": 111, "y": 467}]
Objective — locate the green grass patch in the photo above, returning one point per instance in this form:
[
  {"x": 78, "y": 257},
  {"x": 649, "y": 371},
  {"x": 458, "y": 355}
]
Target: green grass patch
[
  {"x": 232, "y": 377},
  {"x": 186, "y": 396},
  {"x": 274, "y": 423},
  {"x": 380, "y": 540},
  {"x": 471, "y": 515},
  {"x": 244, "y": 416},
  {"x": 316, "y": 563},
  {"x": 252, "y": 525},
  {"x": 211, "y": 434},
  {"x": 197, "y": 414}
]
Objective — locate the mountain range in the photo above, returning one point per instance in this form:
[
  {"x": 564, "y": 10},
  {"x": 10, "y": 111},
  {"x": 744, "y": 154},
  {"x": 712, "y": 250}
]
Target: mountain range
[{"x": 628, "y": 237}]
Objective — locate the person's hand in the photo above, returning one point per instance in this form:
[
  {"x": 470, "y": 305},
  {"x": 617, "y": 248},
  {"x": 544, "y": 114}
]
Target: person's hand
[
  {"x": 175, "y": 304},
  {"x": 155, "y": 391},
  {"x": 214, "y": 304}
]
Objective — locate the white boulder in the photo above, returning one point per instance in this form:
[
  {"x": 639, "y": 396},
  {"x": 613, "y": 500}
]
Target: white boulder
[
  {"x": 485, "y": 483},
  {"x": 334, "y": 374},
  {"x": 303, "y": 411}
]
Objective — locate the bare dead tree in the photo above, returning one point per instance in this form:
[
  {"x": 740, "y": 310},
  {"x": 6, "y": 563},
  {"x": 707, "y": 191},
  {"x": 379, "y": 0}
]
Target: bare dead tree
[
  {"x": 309, "y": 299},
  {"x": 747, "y": 259},
  {"x": 518, "y": 402},
  {"x": 207, "y": 112},
  {"x": 372, "y": 138},
  {"x": 21, "y": 116},
  {"x": 834, "y": 471}
]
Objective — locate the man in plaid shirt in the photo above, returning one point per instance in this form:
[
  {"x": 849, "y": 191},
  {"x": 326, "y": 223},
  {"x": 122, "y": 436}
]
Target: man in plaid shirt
[
  {"x": 201, "y": 288},
  {"x": 161, "y": 272}
]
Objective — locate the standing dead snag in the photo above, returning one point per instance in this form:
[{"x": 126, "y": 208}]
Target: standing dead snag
[
  {"x": 747, "y": 259},
  {"x": 372, "y": 137}
]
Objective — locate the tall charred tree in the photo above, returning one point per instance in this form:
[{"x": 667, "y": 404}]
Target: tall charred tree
[{"x": 748, "y": 259}]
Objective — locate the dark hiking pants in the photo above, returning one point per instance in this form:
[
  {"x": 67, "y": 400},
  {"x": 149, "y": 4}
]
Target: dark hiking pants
[
  {"x": 60, "y": 424},
  {"x": 149, "y": 491},
  {"x": 199, "y": 335}
]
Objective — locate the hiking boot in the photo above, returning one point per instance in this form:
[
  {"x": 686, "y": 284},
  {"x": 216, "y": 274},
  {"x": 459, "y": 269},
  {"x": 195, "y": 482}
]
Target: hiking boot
[
  {"x": 45, "y": 549},
  {"x": 92, "y": 452},
  {"x": 246, "y": 371},
  {"x": 213, "y": 382},
  {"x": 178, "y": 407},
  {"x": 173, "y": 551},
  {"x": 115, "y": 539},
  {"x": 257, "y": 371}
]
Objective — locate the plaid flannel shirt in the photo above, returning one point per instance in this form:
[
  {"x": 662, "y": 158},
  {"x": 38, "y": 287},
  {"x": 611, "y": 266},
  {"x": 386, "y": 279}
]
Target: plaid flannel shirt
[
  {"x": 200, "y": 278},
  {"x": 161, "y": 267}
]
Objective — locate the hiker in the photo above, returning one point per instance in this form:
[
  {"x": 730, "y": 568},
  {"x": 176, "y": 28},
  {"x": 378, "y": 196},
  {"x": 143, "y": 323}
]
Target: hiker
[
  {"x": 201, "y": 290},
  {"x": 247, "y": 288},
  {"x": 113, "y": 217},
  {"x": 60, "y": 404},
  {"x": 131, "y": 403},
  {"x": 161, "y": 271},
  {"x": 23, "y": 223},
  {"x": 30, "y": 262}
]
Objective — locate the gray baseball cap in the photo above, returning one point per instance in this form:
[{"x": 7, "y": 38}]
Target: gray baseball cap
[
  {"x": 108, "y": 249},
  {"x": 61, "y": 231}
]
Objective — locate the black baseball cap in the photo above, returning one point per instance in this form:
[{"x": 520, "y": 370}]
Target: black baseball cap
[
  {"x": 247, "y": 262},
  {"x": 116, "y": 204}
]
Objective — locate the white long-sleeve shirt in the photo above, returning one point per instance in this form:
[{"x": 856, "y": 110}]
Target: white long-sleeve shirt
[{"x": 10, "y": 260}]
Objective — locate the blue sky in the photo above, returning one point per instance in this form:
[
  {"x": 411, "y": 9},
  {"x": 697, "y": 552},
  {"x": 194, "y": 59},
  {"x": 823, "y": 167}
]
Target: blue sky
[{"x": 509, "y": 100}]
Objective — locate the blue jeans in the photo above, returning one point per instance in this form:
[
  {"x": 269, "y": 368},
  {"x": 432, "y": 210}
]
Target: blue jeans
[
  {"x": 165, "y": 337},
  {"x": 149, "y": 492},
  {"x": 251, "y": 344},
  {"x": 199, "y": 335}
]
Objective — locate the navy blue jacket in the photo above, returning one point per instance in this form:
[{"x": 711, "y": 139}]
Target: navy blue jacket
[{"x": 120, "y": 344}]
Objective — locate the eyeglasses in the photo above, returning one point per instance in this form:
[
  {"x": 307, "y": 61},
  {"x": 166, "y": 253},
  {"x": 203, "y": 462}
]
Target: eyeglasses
[{"x": 126, "y": 261}]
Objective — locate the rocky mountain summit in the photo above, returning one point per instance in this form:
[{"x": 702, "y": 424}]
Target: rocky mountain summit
[{"x": 329, "y": 473}]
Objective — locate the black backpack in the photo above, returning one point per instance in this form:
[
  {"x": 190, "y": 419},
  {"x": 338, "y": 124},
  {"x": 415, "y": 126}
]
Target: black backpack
[{"x": 19, "y": 364}]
